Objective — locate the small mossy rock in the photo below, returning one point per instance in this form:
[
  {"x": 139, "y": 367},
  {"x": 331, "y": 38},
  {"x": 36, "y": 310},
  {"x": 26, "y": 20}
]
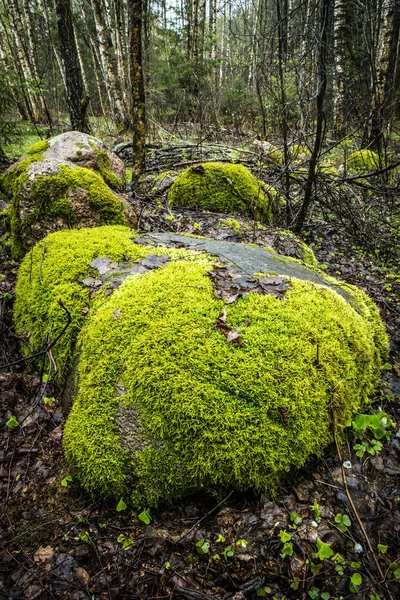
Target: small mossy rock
[
  {"x": 299, "y": 152},
  {"x": 269, "y": 150},
  {"x": 165, "y": 402},
  {"x": 68, "y": 181},
  {"x": 363, "y": 161},
  {"x": 219, "y": 187},
  {"x": 290, "y": 245}
]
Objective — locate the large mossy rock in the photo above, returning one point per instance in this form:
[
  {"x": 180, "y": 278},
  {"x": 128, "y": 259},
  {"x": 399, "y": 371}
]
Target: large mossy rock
[
  {"x": 71, "y": 180},
  {"x": 219, "y": 187},
  {"x": 199, "y": 364}
]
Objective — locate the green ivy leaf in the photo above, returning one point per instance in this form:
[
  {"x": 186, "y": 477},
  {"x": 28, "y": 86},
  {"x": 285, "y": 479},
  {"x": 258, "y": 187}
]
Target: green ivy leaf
[
  {"x": 12, "y": 422},
  {"x": 382, "y": 549},
  {"x": 66, "y": 481},
  {"x": 220, "y": 539}
]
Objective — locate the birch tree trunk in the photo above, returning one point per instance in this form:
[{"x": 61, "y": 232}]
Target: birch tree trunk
[
  {"x": 340, "y": 33},
  {"x": 387, "y": 52},
  {"x": 106, "y": 52},
  {"x": 135, "y": 8}
]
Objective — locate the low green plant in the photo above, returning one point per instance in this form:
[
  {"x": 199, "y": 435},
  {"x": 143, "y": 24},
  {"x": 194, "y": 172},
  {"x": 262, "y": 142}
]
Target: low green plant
[
  {"x": 66, "y": 481},
  {"x": 127, "y": 542},
  {"x": 365, "y": 426},
  {"x": 144, "y": 516},
  {"x": 287, "y": 549},
  {"x": 324, "y": 550},
  {"x": 295, "y": 519},
  {"x": 121, "y": 506},
  {"x": 12, "y": 422},
  {"x": 202, "y": 546},
  {"x": 317, "y": 511},
  {"x": 355, "y": 581},
  {"x": 343, "y": 522}
]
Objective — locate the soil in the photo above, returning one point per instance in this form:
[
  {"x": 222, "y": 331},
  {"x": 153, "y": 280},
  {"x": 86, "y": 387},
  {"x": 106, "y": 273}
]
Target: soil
[{"x": 58, "y": 543}]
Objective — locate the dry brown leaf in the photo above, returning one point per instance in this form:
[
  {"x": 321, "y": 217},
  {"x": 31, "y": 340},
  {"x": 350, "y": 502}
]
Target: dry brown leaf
[
  {"x": 233, "y": 335},
  {"x": 56, "y": 434},
  {"x": 43, "y": 554},
  {"x": 83, "y": 575}
]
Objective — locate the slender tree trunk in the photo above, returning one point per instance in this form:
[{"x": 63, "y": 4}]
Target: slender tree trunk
[
  {"x": 340, "y": 34},
  {"x": 135, "y": 8},
  {"x": 389, "y": 35},
  {"x": 77, "y": 101},
  {"x": 319, "y": 134},
  {"x": 107, "y": 58}
]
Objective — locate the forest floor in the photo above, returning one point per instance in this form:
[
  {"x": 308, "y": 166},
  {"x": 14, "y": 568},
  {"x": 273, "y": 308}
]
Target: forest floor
[{"x": 58, "y": 543}]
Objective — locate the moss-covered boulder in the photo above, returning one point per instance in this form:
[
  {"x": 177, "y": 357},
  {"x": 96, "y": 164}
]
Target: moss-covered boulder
[
  {"x": 203, "y": 364},
  {"x": 71, "y": 180},
  {"x": 219, "y": 187}
]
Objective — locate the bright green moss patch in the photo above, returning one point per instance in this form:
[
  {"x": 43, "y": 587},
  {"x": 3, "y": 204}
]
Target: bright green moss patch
[
  {"x": 363, "y": 160},
  {"x": 165, "y": 405},
  {"x": 297, "y": 151},
  {"x": 49, "y": 199},
  {"x": 41, "y": 282},
  {"x": 109, "y": 177},
  {"x": 38, "y": 148},
  {"x": 221, "y": 188}
]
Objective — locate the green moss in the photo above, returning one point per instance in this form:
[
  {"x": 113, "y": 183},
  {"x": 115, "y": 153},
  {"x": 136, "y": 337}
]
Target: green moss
[
  {"x": 276, "y": 156},
  {"x": 109, "y": 177},
  {"x": 222, "y": 188},
  {"x": 305, "y": 253},
  {"x": 205, "y": 414},
  {"x": 297, "y": 151},
  {"x": 38, "y": 148},
  {"x": 235, "y": 225},
  {"x": 49, "y": 196},
  {"x": 328, "y": 169},
  {"x": 210, "y": 412},
  {"x": 363, "y": 160},
  {"x": 11, "y": 184}
]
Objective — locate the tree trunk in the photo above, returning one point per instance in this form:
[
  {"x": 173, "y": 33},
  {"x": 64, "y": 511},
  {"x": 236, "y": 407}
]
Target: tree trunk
[
  {"x": 77, "y": 101},
  {"x": 319, "y": 134},
  {"x": 340, "y": 33},
  {"x": 135, "y": 8},
  {"x": 107, "y": 58}
]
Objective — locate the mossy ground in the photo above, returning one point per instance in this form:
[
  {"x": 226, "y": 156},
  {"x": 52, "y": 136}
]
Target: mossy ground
[
  {"x": 49, "y": 196},
  {"x": 221, "y": 187},
  {"x": 209, "y": 411}
]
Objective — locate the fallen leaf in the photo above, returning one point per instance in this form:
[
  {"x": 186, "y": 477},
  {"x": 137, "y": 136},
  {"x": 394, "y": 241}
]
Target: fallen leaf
[
  {"x": 85, "y": 310},
  {"x": 117, "y": 313},
  {"x": 222, "y": 316},
  {"x": 43, "y": 554},
  {"x": 233, "y": 335},
  {"x": 56, "y": 434},
  {"x": 103, "y": 265},
  {"x": 396, "y": 368},
  {"x": 153, "y": 261},
  {"x": 83, "y": 575},
  {"x": 91, "y": 282}
]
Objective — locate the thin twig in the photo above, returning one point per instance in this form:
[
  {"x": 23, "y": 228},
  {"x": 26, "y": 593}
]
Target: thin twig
[{"x": 49, "y": 346}]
